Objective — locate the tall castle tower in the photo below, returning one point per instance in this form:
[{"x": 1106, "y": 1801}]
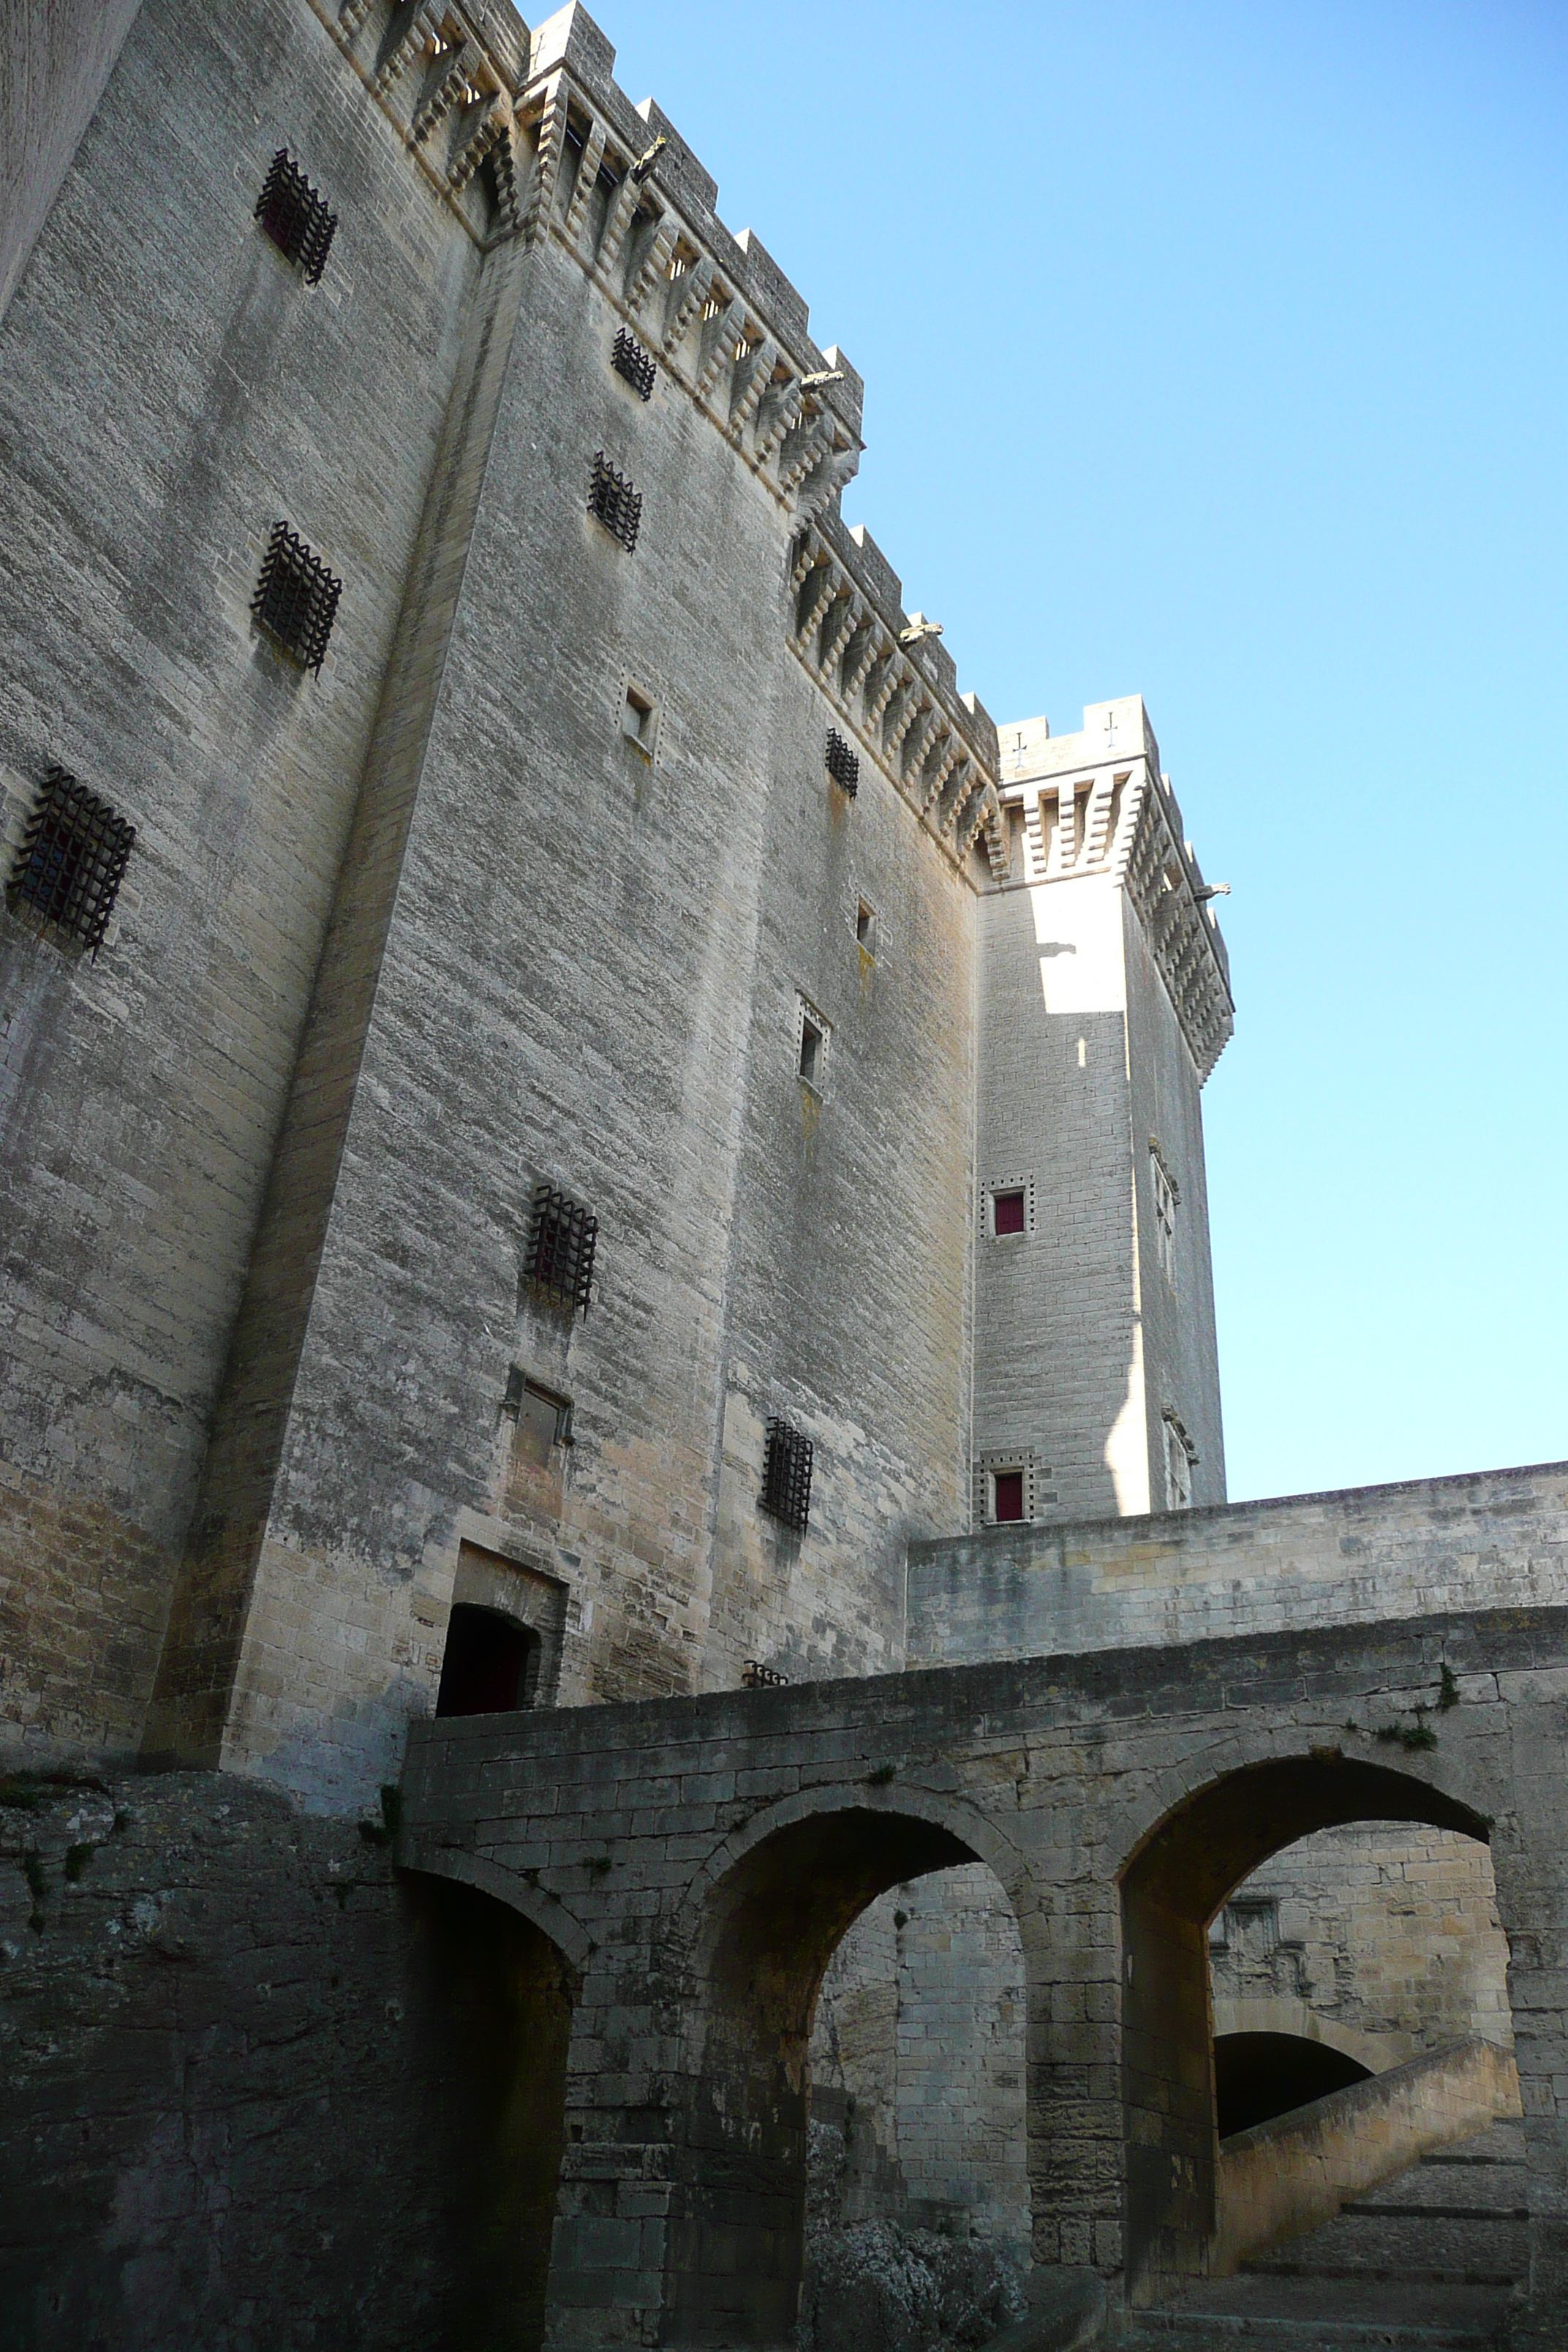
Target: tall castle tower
[{"x": 1104, "y": 1004}]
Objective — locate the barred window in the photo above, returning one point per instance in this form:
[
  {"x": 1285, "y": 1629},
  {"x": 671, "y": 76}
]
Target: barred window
[
  {"x": 71, "y": 858},
  {"x": 754, "y": 1676},
  {"x": 562, "y": 1237},
  {"x": 639, "y": 368},
  {"x": 843, "y": 764},
  {"x": 613, "y": 501},
  {"x": 295, "y": 217},
  {"x": 787, "y": 1474},
  {"x": 296, "y": 598}
]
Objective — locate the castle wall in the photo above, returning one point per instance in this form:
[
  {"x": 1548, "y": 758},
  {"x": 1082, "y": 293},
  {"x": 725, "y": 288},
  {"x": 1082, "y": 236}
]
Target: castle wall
[
  {"x": 1059, "y": 1375},
  {"x": 1180, "y": 1353},
  {"x": 1346, "y": 1558},
  {"x": 587, "y": 976},
  {"x": 58, "y": 55},
  {"x": 917, "y": 2065},
  {"x": 1382, "y": 1939},
  {"x": 153, "y": 440}
]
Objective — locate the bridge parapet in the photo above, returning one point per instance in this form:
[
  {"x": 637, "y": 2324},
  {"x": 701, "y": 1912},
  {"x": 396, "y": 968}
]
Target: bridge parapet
[{"x": 1489, "y": 1539}]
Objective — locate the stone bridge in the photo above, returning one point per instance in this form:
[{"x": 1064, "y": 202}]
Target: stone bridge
[{"x": 686, "y": 1868}]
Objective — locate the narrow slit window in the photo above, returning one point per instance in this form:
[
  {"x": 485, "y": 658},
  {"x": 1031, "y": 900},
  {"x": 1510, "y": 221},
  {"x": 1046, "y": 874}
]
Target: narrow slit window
[
  {"x": 866, "y": 928},
  {"x": 69, "y": 867},
  {"x": 786, "y": 1475},
  {"x": 811, "y": 1053},
  {"x": 639, "y": 367},
  {"x": 296, "y": 218},
  {"x": 563, "y": 1236},
  {"x": 296, "y": 599},
  {"x": 843, "y": 764},
  {"x": 613, "y": 501}
]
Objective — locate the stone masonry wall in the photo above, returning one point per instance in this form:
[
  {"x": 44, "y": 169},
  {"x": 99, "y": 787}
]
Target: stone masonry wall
[
  {"x": 917, "y": 2064},
  {"x": 589, "y": 979},
  {"x": 1495, "y": 1538},
  {"x": 169, "y": 387},
  {"x": 260, "y": 2092},
  {"x": 1383, "y": 1940}
]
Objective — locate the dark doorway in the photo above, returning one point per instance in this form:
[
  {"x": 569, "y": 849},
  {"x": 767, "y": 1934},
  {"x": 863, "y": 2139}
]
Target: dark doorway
[
  {"x": 1257, "y": 2076},
  {"x": 495, "y": 2020},
  {"x": 491, "y": 1664}
]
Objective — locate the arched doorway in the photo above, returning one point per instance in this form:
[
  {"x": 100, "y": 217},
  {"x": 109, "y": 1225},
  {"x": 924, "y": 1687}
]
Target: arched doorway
[
  {"x": 769, "y": 1928},
  {"x": 1171, "y": 1888},
  {"x": 498, "y": 1997}
]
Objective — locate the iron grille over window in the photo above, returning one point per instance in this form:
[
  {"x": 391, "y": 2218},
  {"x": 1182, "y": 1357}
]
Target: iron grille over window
[
  {"x": 843, "y": 764},
  {"x": 754, "y": 1676},
  {"x": 295, "y": 217},
  {"x": 615, "y": 503},
  {"x": 561, "y": 1235},
  {"x": 639, "y": 368},
  {"x": 71, "y": 858},
  {"x": 296, "y": 598},
  {"x": 786, "y": 1475}
]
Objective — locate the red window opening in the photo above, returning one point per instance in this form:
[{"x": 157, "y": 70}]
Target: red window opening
[
  {"x": 1007, "y": 1211},
  {"x": 1009, "y": 1486}
]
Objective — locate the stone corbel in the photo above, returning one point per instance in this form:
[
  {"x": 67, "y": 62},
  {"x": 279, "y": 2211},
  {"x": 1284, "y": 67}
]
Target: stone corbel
[
  {"x": 445, "y": 79},
  {"x": 687, "y": 293},
  {"x": 775, "y": 417},
  {"x": 410, "y": 27},
  {"x": 588, "y": 165},
  {"x": 482, "y": 127},
  {"x": 546, "y": 163},
  {"x": 648, "y": 255},
  {"x": 719, "y": 337},
  {"x": 751, "y": 381},
  {"x": 622, "y": 208}
]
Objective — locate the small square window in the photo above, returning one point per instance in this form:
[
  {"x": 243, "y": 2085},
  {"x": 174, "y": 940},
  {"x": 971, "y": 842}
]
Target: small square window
[
  {"x": 295, "y": 217},
  {"x": 1007, "y": 1212},
  {"x": 70, "y": 859},
  {"x": 613, "y": 501},
  {"x": 786, "y": 1475},
  {"x": 639, "y": 719},
  {"x": 639, "y": 368},
  {"x": 843, "y": 764},
  {"x": 866, "y": 928},
  {"x": 559, "y": 1257},
  {"x": 1006, "y": 1496},
  {"x": 296, "y": 599}
]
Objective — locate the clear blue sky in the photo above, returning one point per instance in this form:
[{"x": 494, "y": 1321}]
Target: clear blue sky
[{"x": 1219, "y": 352}]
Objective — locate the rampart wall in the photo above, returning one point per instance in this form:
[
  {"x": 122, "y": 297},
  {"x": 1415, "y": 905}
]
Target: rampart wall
[{"x": 1495, "y": 1538}]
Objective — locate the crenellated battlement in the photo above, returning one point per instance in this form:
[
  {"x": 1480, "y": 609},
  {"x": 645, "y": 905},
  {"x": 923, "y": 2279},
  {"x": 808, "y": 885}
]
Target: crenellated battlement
[
  {"x": 1096, "y": 802},
  {"x": 937, "y": 746}
]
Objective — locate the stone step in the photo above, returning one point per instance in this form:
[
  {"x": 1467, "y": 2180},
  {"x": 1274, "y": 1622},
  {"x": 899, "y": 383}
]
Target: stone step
[
  {"x": 1300, "y": 2314},
  {"x": 1403, "y": 2243}
]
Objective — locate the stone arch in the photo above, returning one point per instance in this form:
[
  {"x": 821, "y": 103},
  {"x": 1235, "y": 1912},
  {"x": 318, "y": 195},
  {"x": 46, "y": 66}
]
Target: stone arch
[
  {"x": 497, "y": 1992},
  {"x": 767, "y": 1914},
  {"x": 542, "y": 1911},
  {"x": 1174, "y": 1879}
]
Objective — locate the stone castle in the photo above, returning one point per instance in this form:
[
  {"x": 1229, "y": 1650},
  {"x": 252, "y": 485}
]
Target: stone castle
[{"x": 588, "y": 1144}]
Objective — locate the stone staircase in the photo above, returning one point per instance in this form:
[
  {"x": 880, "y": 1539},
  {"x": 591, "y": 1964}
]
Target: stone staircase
[{"x": 1427, "y": 2263}]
